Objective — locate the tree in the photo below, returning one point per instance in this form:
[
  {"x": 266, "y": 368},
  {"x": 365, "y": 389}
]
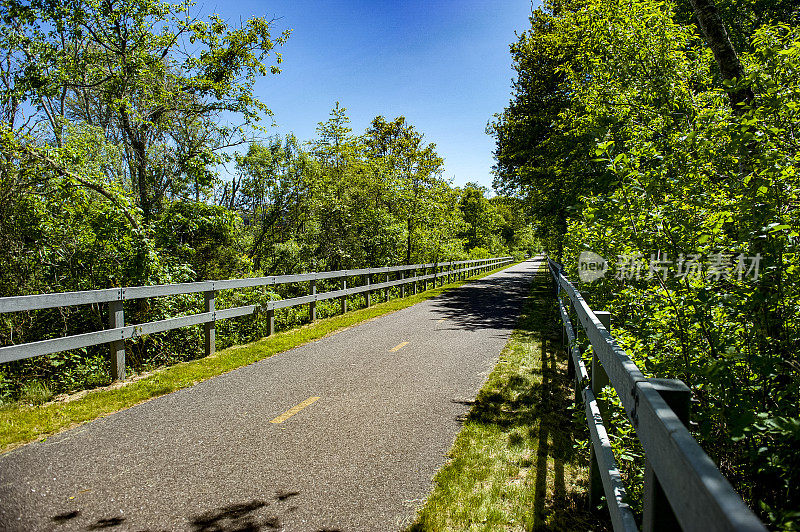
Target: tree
[
  {"x": 481, "y": 219},
  {"x": 157, "y": 81},
  {"x": 275, "y": 197},
  {"x": 541, "y": 156},
  {"x": 691, "y": 166},
  {"x": 414, "y": 168}
]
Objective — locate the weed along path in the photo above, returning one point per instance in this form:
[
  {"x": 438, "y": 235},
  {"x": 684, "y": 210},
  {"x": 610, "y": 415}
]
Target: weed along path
[{"x": 344, "y": 433}]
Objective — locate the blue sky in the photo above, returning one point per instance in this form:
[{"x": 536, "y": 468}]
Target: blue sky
[{"x": 443, "y": 64}]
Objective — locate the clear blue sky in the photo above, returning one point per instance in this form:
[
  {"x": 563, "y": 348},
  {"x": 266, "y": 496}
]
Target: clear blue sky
[{"x": 443, "y": 64}]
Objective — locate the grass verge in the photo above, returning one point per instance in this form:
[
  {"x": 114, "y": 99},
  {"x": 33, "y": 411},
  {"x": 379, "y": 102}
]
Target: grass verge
[
  {"x": 21, "y": 424},
  {"x": 513, "y": 466}
]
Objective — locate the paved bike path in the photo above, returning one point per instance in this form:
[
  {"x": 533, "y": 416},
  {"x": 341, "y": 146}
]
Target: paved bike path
[{"x": 390, "y": 395}]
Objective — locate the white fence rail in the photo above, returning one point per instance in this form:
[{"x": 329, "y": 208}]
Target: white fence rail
[
  {"x": 683, "y": 489},
  {"x": 117, "y": 331}
]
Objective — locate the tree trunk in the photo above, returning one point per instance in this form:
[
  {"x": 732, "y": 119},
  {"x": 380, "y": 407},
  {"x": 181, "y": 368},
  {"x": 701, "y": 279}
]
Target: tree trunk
[{"x": 727, "y": 60}]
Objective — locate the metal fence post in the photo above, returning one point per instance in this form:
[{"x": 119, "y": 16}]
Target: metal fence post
[
  {"x": 402, "y": 285},
  {"x": 312, "y": 309},
  {"x": 369, "y": 292},
  {"x": 270, "y": 322},
  {"x": 386, "y": 293},
  {"x": 599, "y": 381},
  {"x": 344, "y": 297},
  {"x": 116, "y": 319},
  {"x": 571, "y": 369},
  {"x": 210, "y": 328},
  {"x": 657, "y": 513},
  {"x": 416, "y": 283}
]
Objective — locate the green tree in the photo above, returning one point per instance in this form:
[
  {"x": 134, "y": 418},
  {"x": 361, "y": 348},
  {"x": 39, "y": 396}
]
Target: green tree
[
  {"x": 158, "y": 82},
  {"x": 542, "y": 155},
  {"x": 275, "y": 197},
  {"x": 682, "y": 175},
  {"x": 414, "y": 170},
  {"x": 482, "y": 223}
]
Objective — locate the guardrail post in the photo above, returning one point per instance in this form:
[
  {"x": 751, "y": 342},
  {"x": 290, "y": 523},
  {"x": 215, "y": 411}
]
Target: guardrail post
[
  {"x": 386, "y": 290},
  {"x": 210, "y": 328},
  {"x": 312, "y": 308},
  {"x": 414, "y": 273},
  {"x": 657, "y": 513},
  {"x": 116, "y": 319},
  {"x": 344, "y": 297},
  {"x": 599, "y": 381},
  {"x": 369, "y": 292},
  {"x": 402, "y": 285},
  {"x": 571, "y": 372},
  {"x": 270, "y": 322}
]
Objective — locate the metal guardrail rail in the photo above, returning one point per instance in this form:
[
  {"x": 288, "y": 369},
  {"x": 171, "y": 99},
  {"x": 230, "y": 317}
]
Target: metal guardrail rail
[
  {"x": 683, "y": 489},
  {"x": 117, "y": 331}
]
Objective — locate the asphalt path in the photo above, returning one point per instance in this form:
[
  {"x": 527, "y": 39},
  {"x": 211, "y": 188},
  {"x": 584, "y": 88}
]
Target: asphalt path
[{"x": 344, "y": 433}]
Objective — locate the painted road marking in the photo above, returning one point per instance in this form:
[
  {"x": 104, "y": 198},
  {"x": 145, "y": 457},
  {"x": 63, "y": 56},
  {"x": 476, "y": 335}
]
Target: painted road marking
[
  {"x": 441, "y": 320},
  {"x": 398, "y": 347},
  {"x": 295, "y": 409}
]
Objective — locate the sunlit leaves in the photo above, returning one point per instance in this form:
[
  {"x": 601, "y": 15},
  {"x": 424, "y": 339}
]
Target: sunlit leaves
[{"x": 621, "y": 138}]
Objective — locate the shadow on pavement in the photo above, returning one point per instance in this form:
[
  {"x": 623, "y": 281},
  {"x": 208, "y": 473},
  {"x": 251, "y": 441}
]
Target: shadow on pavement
[
  {"x": 251, "y": 516},
  {"x": 542, "y": 407},
  {"x": 240, "y": 517},
  {"x": 102, "y": 524},
  {"x": 492, "y": 302}
]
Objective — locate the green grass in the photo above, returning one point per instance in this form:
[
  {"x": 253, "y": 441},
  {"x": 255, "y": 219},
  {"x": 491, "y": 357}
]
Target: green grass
[
  {"x": 24, "y": 423},
  {"x": 514, "y": 465}
]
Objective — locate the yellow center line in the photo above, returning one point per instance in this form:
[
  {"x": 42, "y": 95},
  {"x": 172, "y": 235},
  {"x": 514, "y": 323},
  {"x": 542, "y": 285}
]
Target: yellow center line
[
  {"x": 441, "y": 320},
  {"x": 295, "y": 409},
  {"x": 398, "y": 347}
]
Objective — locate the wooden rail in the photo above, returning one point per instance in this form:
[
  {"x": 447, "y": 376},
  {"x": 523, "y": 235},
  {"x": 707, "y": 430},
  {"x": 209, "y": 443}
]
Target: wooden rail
[
  {"x": 683, "y": 489},
  {"x": 117, "y": 331}
]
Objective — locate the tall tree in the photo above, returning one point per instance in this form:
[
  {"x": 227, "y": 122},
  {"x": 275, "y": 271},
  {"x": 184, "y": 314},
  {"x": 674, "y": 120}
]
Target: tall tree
[
  {"x": 413, "y": 166},
  {"x": 157, "y": 81}
]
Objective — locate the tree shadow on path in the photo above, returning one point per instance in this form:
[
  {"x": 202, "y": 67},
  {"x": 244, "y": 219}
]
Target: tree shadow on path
[
  {"x": 490, "y": 303},
  {"x": 537, "y": 409}
]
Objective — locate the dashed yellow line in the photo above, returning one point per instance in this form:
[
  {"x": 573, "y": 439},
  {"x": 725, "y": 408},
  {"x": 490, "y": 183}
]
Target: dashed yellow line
[
  {"x": 295, "y": 409},
  {"x": 398, "y": 347}
]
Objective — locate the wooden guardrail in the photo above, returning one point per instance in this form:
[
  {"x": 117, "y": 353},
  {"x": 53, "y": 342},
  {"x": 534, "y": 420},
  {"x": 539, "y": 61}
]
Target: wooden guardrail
[
  {"x": 683, "y": 489},
  {"x": 117, "y": 331}
]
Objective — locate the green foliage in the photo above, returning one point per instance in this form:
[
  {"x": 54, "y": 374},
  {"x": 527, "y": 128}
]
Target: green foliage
[
  {"x": 669, "y": 172},
  {"x": 111, "y": 180},
  {"x": 203, "y": 237},
  {"x": 35, "y": 393}
]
